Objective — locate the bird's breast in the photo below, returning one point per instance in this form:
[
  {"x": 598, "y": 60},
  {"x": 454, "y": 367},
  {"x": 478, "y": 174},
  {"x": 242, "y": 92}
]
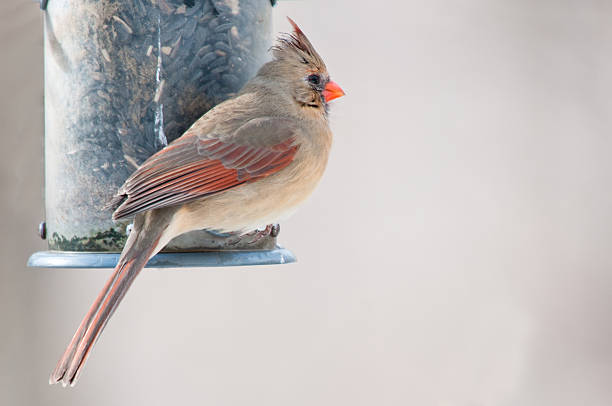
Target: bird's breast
[{"x": 260, "y": 202}]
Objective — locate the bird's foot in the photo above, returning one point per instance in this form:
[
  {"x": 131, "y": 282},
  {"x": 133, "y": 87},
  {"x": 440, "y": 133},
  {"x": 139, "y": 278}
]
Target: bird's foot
[{"x": 253, "y": 237}]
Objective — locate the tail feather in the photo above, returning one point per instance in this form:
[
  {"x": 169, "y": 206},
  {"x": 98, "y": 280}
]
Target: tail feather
[
  {"x": 73, "y": 360},
  {"x": 126, "y": 276},
  {"x": 60, "y": 370},
  {"x": 141, "y": 245}
]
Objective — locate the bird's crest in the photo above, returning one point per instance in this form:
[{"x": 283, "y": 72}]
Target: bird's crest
[{"x": 297, "y": 43}]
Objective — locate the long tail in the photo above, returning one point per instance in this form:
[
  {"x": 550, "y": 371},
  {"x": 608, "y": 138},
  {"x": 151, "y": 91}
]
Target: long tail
[{"x": 143, "y": 242}]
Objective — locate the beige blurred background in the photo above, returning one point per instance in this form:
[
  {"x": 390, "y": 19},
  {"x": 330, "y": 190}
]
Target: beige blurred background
[{"x": 457, "y": 252}]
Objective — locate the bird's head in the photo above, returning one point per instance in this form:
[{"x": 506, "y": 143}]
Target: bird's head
[{"x": 297, "y": 62}]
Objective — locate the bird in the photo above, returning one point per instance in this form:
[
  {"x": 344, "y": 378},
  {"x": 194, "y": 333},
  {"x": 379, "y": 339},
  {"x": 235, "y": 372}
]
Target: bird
[{"x": 248, "y": 162}]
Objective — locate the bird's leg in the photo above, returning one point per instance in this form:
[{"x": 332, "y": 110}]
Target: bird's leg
[
  {"x": 255, "y": 236},
  {"x": 271, "y": 230},
  {"x": 251, "y": 237},
  {"x": 259, "y": 234}
]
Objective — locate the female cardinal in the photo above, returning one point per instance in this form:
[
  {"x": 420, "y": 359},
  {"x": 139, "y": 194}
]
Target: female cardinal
[{"x": 248, "y": 162}]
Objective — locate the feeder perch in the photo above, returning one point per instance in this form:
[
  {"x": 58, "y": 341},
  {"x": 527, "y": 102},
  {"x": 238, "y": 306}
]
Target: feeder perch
[{"x": 123, "y": 78}]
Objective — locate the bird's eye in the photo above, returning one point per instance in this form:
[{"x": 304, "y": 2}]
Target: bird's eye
[{"x": 314, "y": 79}]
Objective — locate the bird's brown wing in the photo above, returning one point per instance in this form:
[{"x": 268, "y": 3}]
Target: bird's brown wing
[{"x": 199, "y": 164}]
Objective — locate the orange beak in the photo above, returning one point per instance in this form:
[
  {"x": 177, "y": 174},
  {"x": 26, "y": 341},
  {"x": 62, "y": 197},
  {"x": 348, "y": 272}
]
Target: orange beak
[{"x": 332, "y": 91}]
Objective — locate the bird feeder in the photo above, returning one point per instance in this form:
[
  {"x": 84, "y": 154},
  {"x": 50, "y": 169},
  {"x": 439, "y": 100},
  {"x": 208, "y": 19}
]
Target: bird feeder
[{"x": 123, "y": 78}]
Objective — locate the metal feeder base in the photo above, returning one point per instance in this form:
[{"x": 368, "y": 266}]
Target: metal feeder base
[{"x": 64, "y": 259}]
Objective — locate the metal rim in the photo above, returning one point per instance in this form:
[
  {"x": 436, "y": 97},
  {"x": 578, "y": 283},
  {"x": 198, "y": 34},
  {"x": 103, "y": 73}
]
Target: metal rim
[{"x": 62, "y": 259}]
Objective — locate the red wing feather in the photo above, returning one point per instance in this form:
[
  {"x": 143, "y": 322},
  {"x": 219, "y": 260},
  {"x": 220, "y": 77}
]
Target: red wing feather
[{"x": 192, "y": 168}]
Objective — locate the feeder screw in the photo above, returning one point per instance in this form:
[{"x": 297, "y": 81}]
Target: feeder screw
[{"x": 42, "y": 230}]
